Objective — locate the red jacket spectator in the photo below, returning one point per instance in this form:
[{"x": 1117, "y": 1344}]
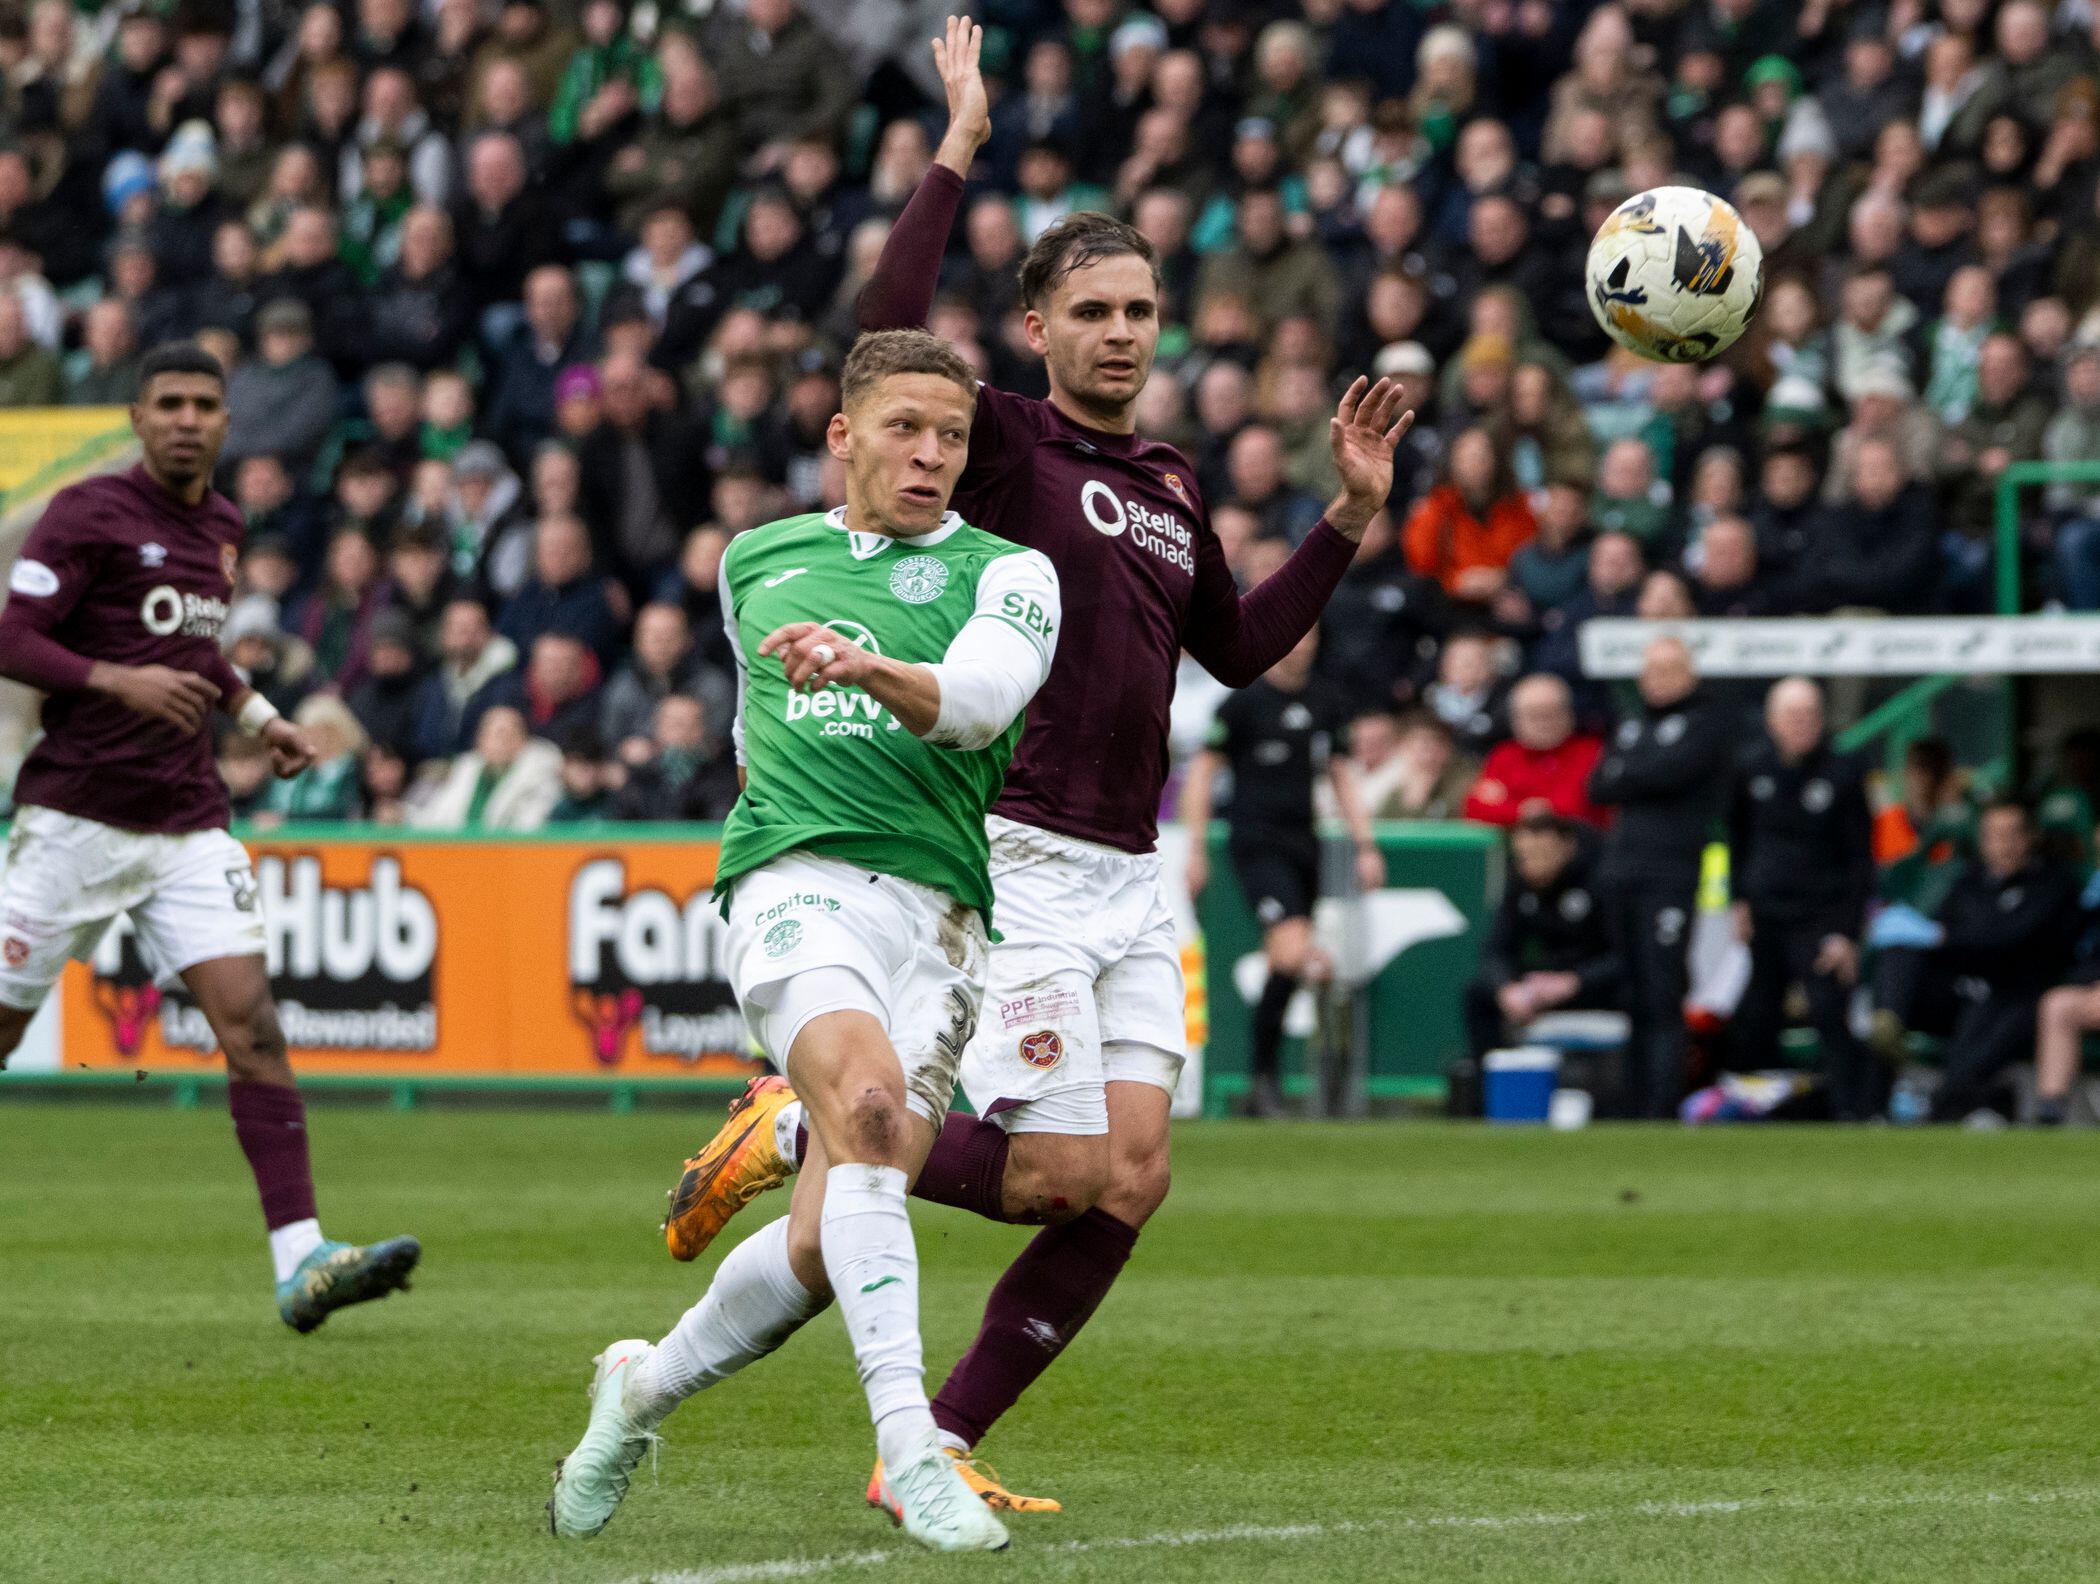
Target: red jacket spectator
[
  {"x": 1466, "y": 529},
  {"x": 1514, "y": 776}
]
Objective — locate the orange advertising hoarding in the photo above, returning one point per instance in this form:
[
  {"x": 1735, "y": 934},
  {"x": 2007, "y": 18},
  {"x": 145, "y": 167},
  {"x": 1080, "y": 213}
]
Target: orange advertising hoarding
[{"x": 395, "y": 955}]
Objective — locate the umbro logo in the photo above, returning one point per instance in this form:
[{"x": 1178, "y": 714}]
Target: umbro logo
[{"x": 152, "y": 555}]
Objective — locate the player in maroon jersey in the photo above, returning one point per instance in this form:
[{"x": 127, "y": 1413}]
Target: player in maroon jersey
[
  {"x": 113, "y": 612},
  {"x": 1080, "y": 1045}
]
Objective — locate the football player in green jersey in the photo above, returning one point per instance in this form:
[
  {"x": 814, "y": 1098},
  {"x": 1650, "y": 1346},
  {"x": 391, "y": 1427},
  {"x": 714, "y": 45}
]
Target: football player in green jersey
[{"x": 885, "y": 652}]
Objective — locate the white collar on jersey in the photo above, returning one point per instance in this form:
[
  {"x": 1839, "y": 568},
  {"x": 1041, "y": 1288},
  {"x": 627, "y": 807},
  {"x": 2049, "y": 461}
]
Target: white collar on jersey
[{"x": 866, "y": 546}]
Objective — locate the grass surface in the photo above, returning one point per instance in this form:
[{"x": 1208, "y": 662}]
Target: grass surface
[{"x": 1633, "y": 1355}]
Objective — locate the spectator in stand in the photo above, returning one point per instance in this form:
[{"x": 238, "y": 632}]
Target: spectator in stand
[
  {"x": 385, "y": 702},
  {"x": 1610, "y": 589},
  {"x": 1976, "y": 970},
  {"x": 419, "y": 312},
  {"x": 283, "y": 401},
  {"x": 565, "y": 595},
  {"x": 643, "y": 475},
  {"x": 685, "y": 777},
  {"x": 1545, "y": 764},
  {"x": 335, "y": 620},
  {"x": 491, "y": 531},
  {"x": 1408, "y": 766},
  {"x": 2073, "y": 435},
  {"x": 1383, "y": 624},
  {"x": 1549, "y": 947},
  {"x": 1257, "y": 481},
  {"x": 511, "y": 781},
  {"x": 550, "y": 338},
  {"x": 420, "y": 584},
  {"x": 586, "y": 790},
  {"x": 1551, "y": 569},
  {"x": 1880, "y": 552},
  {"x": 556, "y": 690},
  {"x": 107, "y": 374},
  {"x": 29, "y": 375},
  {"x": 328, "y": 788},
  {"x": 1728, "y": 581},
  {"x": 663, "y": 663},
  {"x": 1630, "y": 499},
  {"x": 1467, "y": 695},
  {"x": 472, "y": 657},
  {"x": 782, "y": 76},
  {"x": 1465, "y": 532}
]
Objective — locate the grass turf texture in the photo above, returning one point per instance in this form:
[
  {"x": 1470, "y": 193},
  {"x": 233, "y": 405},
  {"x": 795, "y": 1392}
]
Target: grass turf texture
[{"x": 1883, "y": 1344}]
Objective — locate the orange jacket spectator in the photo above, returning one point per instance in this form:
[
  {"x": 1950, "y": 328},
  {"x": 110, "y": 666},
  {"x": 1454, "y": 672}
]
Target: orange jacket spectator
[
  {"x": 1515, "y": 776},
  {"x": 1445, "y": 539}
]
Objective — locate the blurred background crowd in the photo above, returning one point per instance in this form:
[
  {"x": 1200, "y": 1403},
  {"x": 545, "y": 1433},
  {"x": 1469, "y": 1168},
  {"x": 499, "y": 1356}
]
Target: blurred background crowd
[{"x": 532, "y": 304}]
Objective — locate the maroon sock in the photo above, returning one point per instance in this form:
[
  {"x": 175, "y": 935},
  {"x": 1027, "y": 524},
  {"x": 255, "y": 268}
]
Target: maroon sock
[
  {"x": 967, "y": 1167},
  {"x": 270, "y": 1122},
  {"x": 1036, "y": 1309}
]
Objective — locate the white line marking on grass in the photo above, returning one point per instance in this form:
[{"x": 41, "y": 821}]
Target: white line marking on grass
[{"x": 816, "y": 1567}]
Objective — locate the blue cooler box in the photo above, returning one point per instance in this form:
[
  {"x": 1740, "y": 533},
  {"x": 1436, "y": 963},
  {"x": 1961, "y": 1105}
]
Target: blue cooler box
[{"x": 1517, "y": 1085}]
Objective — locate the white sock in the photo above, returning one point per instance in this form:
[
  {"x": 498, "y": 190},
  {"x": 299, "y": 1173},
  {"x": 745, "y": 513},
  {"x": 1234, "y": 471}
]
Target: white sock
[
  {"x": 752, "y": 1306},
  {"x": 874, "y": 1269},
  {"x": 785, "y": 1126},
  {"x": 951, "y": 1442},
  {"x": 291, "y": 1243}
]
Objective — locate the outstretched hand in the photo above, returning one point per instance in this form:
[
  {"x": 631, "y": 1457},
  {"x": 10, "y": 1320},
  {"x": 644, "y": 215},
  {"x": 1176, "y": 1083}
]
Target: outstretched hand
[
  {"x": 1362, "y": 434},
  {"x": 955, "y": 56}
]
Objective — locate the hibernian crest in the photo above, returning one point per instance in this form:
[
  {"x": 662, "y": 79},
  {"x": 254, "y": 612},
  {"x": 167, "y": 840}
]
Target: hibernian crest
[{"x": 919, "y": 579}]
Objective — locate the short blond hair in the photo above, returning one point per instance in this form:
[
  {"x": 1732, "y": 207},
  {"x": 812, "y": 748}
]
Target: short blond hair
[{"x": 881, "y": 353}]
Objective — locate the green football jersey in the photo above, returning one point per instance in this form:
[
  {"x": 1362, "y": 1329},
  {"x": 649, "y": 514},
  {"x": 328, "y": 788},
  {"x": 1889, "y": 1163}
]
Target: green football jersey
[{"x": 835, "y": 772}]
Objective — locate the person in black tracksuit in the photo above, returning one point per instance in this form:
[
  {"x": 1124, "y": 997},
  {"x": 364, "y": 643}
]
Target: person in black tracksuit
[
  {"x": 1277, "y": 737},
  {"x": 1801, "y": 867},
  {"x": 1548, "y": 948},
  {"x": 1665, "y": 773},
  {"x": 2009, "y": 926}
]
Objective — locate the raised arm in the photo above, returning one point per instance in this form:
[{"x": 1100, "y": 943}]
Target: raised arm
[
  {"x": 899, "y": 295},
  {"x": 1236, "y": 639}
]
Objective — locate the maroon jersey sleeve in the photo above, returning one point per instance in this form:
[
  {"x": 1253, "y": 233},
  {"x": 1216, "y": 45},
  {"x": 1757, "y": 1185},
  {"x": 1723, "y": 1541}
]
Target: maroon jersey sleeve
[
  {"x": 899, "y": 294},
  {"x": 1236, "y": 639},
  {"x": 56, "y": 565}
]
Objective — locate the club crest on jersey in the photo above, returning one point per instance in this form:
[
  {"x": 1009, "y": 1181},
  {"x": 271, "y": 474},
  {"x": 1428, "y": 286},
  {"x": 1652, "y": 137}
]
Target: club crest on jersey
[
  {"x": 1043, "y": 1048},
  {"x": 16, "y": 951},
  {"x": 919, "y": 579},
  {"x": 153, "y": 555},
  {"x": 1173, "y": 482},
  {"x": 229, "y": 561}
]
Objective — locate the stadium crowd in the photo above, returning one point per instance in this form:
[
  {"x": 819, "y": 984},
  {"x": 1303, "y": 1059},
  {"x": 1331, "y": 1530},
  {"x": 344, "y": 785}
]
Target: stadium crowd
[{"x": 531, "y": 305}]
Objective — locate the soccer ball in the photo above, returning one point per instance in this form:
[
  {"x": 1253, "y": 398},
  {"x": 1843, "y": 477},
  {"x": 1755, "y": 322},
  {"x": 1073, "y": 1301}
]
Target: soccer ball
[{"x": 1675, "y": 275}]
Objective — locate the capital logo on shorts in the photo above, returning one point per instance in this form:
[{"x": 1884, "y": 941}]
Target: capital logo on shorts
[
  {"x": 1042, "y": 1048},
  {"x": 919, "y": 579},
  {"x": 783, "y": 937},
  {"x": 16, "y": 951}
]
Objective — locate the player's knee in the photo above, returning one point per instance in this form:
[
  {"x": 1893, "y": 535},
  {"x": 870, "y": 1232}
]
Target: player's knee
[
  {"x": 874, "y": 1123},
  {"x": 254, "y": 1042},
  {"x": 1137, "y": 1185},
  {"x": 1053, "y": 1178}
]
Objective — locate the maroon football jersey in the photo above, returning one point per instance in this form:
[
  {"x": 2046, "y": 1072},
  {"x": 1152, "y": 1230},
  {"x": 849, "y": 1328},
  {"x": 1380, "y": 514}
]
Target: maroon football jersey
[
  {"x": 120, "y": 570},
  {"x": 1140, "y": 573}
]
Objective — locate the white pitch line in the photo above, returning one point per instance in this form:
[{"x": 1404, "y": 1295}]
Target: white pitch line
[{"x": 816, "y": 1567}]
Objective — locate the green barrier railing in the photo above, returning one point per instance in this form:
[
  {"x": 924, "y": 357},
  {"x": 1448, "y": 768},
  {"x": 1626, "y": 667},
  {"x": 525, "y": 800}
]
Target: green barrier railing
[{"x": 2016, "y": 477}]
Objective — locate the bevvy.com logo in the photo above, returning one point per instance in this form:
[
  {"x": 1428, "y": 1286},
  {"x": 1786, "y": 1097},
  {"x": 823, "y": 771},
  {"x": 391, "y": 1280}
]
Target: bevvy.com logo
[
  {"x": 353, "y": 967},
  {"x": 645, "y": 963}
]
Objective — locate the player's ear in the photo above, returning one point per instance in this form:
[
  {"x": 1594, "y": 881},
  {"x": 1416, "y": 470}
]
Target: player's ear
[
  {"x": 838, "y": 434},
  {"x": 1035, "y": 330}
]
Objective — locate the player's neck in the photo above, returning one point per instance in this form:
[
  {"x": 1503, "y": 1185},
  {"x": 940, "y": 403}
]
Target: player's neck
[
  {"x": 190, "y": 492},
  {"x": 859, "y": 519},
  {"x": 1120, "y": 422}
]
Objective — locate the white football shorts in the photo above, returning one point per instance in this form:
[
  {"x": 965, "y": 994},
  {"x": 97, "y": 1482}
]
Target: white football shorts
[
  {"x": 1085, "y": 986},
  {"x": 810, "y": 935},
  {"x": 191, "y": 895}
]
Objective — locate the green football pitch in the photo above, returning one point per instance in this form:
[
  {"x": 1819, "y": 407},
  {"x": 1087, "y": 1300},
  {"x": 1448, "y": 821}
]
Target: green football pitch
[{"x": 1370, "y": 1352}]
